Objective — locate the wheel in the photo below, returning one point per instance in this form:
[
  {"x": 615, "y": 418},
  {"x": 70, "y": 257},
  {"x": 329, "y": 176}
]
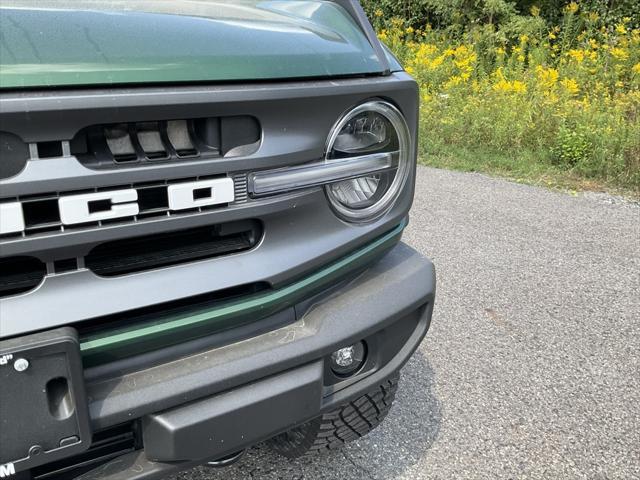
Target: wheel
[{"x": 333, "y": 429}]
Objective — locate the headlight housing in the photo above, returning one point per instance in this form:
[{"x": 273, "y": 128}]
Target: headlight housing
[
  {"x": 369, "y": 130},
  {"x": 366, "y": 164}
]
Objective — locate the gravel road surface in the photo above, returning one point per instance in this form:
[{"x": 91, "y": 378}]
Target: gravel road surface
[{"x": 531, "y": 368}]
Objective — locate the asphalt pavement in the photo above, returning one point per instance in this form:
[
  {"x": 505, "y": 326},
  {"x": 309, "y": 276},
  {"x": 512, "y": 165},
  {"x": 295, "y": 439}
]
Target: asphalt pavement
[{"x": 531, "y": 368}]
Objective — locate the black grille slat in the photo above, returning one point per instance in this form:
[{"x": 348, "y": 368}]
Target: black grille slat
[{"x": 161, "y": 250}]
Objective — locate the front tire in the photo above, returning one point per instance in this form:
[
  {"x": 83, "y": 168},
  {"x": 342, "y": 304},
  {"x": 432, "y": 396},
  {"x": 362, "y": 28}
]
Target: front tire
[{"x": 344, "y": 424}]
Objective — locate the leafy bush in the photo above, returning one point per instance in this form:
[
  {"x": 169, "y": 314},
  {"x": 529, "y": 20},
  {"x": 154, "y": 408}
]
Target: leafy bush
[
  {"x": 572, "y": 146},
  {"x": 569, "y": 92},
  {"x": 464, "y": 13}
]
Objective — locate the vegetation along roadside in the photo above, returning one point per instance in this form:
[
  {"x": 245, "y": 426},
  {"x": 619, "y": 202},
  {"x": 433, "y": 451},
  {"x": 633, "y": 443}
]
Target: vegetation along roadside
[{"x": 544, "y": 93}]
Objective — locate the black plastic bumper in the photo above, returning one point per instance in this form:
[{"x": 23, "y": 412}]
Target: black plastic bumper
[{"x": 217, "y": 402}]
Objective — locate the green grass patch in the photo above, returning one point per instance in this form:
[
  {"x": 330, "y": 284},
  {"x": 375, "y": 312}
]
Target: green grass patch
[{"x": 527, "y": 167}]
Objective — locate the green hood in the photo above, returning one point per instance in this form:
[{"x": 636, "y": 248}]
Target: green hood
[{"x": 100, "y": 42}]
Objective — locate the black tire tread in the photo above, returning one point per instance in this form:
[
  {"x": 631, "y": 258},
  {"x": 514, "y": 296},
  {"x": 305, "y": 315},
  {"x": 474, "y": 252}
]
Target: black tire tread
[{"x": 344, "y": 424}]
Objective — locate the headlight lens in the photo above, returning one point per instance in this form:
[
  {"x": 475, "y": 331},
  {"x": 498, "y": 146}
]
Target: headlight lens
[{"x": 371, "y": 128}]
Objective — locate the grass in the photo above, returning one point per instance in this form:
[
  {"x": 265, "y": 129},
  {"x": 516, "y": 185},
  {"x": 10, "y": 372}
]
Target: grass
[{"x": 527, "y": 167}]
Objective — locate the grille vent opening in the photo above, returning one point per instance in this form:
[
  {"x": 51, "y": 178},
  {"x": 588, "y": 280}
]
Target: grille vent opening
[
  {"x": 20, "y": 274},
  {"x": 180, "y": 139},
  {"x": 138, "y": 254},
  {"x": 65, "y": 265},
  {"x": 14, "y": 154},
  {"x": 105, "y": 445},
  {"x": 151, "y": 140},
  {"x": 109, "y": 146},
  {"x": 40, "y": 212},
  {"x": 49, "y": 149},
  {"x": 119, "y": 143}
]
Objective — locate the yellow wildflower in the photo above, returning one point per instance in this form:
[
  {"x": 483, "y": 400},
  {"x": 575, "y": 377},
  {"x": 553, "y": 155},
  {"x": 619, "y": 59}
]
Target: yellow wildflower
[
  {"x": 435, "y": 63},
  {"x": 534, "y": 10},
  {"x": 505, "y": 86},
  {"x": 547, "y": 77},
  {"x": 619, "y": 53},
  {"x": 593, "y": 16},
  {"x": 571, "y": 7},
  {"x": 552, "y": 35},
  {"x": 636, "y": 68},
  {"x": 571, "y": 86},
  {"x": 409, "y": 30},
  {"x": 453, "y": 81},
  {"x": 577, "y": 55},
  {"x": 621, "y": 29},
  {"x": 518, "y": 86},
  {"x": 378, "y": 13}
]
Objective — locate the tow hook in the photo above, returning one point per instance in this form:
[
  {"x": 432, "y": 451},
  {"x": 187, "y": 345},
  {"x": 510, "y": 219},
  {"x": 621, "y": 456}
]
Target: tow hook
[{"x": 226, "y": 461}]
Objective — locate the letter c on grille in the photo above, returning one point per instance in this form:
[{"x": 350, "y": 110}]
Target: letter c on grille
[{"x": 93, "y": 207}]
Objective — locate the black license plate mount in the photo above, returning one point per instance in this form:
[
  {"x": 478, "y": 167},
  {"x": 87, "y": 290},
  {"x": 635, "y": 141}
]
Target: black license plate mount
[{"x": 43, "y": 406}]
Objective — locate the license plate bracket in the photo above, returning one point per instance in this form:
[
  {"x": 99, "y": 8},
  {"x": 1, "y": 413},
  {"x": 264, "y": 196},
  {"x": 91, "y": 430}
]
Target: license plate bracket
[{"x": 43, "y": 406}]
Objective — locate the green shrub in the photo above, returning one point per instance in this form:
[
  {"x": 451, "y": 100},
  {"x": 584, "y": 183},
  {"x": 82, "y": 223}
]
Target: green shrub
[
  {"x": 567, "y": 95},
  {"x": 572, "y": 147}
]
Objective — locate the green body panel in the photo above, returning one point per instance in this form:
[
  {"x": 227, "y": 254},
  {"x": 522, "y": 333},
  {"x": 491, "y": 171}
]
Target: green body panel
[
  {"x": 177, "y": 328},
  {"x": 73, "y": 43}
]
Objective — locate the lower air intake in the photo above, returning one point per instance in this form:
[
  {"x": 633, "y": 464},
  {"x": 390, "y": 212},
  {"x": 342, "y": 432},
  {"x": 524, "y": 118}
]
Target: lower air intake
[
  {"x": 106, "y": 445},
  {"x": 138, "y": 254},
  {"x": 20, "y": 274}
]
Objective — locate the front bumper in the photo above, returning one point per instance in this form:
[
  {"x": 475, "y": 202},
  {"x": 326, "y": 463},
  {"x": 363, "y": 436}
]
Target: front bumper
[{"x": 217, "y": 402}]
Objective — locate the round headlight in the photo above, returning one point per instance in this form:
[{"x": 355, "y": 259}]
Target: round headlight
[{"x": 372, "y": 128}]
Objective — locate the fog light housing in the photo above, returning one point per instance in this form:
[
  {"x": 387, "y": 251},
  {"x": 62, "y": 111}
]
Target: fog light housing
[{"x": 348, "y": 360}]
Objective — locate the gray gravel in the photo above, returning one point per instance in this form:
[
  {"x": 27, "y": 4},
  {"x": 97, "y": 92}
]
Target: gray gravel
[{"x": 532, "y": 366}]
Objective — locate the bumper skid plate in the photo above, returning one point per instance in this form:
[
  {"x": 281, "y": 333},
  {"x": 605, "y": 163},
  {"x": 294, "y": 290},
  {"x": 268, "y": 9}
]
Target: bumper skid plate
[{"x": 224, "y": 423}]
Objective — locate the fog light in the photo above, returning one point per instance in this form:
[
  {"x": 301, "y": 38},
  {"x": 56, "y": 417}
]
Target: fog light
[{"x": 348, "y": 360}]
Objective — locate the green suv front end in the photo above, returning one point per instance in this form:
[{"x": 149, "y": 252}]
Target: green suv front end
[{"x": 201, "y": 212}]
